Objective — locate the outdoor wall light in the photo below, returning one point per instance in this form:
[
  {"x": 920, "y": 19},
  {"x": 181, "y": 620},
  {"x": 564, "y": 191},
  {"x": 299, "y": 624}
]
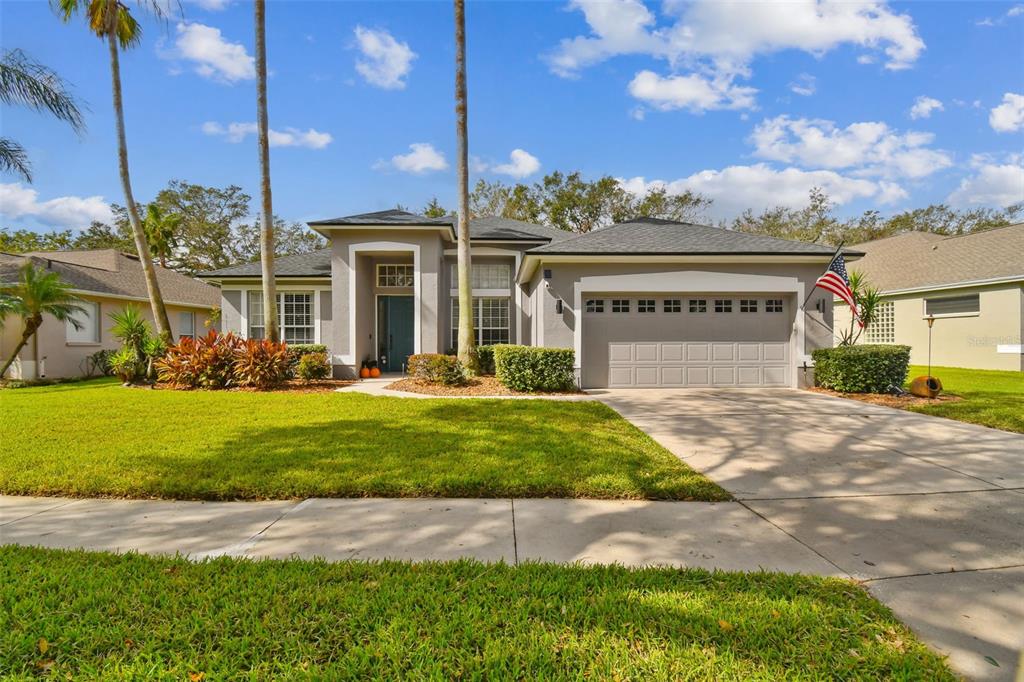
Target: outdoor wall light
[{"x": 558, "y": 306}]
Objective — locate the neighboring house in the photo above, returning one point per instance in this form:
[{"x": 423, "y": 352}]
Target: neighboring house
[
  {"x": 645, "y": 303},
  {"x": 107, "y": 281},
  {"x": 971, "y": 284}
]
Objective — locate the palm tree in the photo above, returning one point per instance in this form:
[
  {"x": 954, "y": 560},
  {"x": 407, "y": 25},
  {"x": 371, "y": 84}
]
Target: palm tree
[
  {"x": 25, "y": 82},
  {"x": 267, "y": 210},
  {"x": 111, "y": 20},
  {"x": 37, "y": 293},
  {"x": 467, "y": 337},
  {"x": 160, "y": 230}
]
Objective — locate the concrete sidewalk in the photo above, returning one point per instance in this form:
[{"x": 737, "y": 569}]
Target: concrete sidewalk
[{"x": 722, "y": 535}]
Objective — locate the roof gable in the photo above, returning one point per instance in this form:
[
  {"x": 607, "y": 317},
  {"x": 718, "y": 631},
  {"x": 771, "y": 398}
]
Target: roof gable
[{"x": 394, "y": 216}]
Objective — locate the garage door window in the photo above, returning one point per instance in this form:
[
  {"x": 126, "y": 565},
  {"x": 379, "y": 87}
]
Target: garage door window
[
  {"x": 748, "y": 305},
  {"x": 723, "y": 305},
  {"x": 698, "y": 305},
  {"x": 773, "y": 305},
  {"x": 595, "y": 305},
  {"x": 673, "y": 305},
  {"x": 620, "y": 305},
  {"x": 645, "y": 305}
]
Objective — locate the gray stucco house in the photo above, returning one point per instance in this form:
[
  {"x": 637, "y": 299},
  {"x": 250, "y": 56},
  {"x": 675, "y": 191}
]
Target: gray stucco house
[{"x": 645, "y": 303}]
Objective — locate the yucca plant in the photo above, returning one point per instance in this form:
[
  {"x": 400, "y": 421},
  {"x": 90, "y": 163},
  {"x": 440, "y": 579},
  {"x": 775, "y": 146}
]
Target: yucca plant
[
  {"x": 867, "y": 300},
  {"x": 134, "y": 333},
  {"x": 37, "y": 293}
]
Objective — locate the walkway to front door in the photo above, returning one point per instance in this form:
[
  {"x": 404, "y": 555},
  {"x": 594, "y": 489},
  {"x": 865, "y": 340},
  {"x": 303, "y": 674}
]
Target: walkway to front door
[{"x": 394, "y": 332}]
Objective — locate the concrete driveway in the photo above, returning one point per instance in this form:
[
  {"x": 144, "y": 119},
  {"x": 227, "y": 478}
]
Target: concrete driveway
[{"x": 928, "y": 512}]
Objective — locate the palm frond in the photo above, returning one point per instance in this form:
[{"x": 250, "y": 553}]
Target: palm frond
[
  {"x": 29, "y": 83},
  {"x": 13, "y": 159},
  {"x": 39, "y": 291}
]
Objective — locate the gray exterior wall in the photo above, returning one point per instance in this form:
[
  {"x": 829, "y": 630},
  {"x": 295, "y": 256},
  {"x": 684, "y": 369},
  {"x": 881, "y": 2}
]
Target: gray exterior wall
[{"x": 231, "y": 311}]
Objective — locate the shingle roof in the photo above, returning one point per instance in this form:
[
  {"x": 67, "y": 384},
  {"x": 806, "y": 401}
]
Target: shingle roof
[
  {"x": 654, "y": 236},
  {"x": 391, "y": 216},
  {"x": 106, "y": 271},
  {"x": 920, "y": 259},
  {"x": 513, "y": 230},
  {"x": 312, "y": 264}
]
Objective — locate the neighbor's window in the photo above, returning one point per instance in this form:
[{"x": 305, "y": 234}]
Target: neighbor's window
[
  {"x": 294, "y": 316},
  {"x": 698, "y": 305},
  {"x": 186, "y": 324},
  {"x": 953, "y": 305},
  {"x": 89, "y": 324},
  {"x": 883, "y": 328},
  {"x": 723, "y": 305},
  {"x": 486, "y": 275},
  {"x": 620, "y": 305},
  {"x": 490, "y": 320},
  {"x": 773, "y": 305},
  {"x": 594, "y": 305},
  {"x": 673, "y": 305},
  {"x": 748, "y": 305},
  {"x": 645, "y": 305},
  {"x": 395, "y": 275}
]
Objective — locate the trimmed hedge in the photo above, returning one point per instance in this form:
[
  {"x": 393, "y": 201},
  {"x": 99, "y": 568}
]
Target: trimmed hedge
[
  {"x": 313, "y": 366},
  {"x": 435, "y": 368},
  {"x": 529, "y": 369},
  {"x": 297, "y": 350},
  {"x": 861, "y": 368}
]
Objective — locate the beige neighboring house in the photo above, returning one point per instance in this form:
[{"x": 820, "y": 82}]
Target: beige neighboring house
[
  {"x": 107, "y": 280},
  {"x": 972, "y": 284}
]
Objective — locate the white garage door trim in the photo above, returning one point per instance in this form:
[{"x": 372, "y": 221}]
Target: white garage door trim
[{"x": 696, "y": 282}]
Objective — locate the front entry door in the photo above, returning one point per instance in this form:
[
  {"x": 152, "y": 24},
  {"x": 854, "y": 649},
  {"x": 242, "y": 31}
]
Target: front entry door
[{"x": 394, "y": 332}]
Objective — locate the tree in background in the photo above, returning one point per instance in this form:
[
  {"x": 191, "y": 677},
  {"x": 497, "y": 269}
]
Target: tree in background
[
  {"x": 266, "y": 203},
  {"x": 290, "y": 238},
  {"x": 467, "y": 336},
  {"x": 815, "y": 223},
  {"x": 23, "y": 241},
  {"x": 434, "y": 209},
  {"x": 161, "y": 230},
  {"x": 113, "y": 22},
  {"x": 28, "y": 83},
  {"x": 206, "y": 237},
  {"x": 37, "y": 293}
]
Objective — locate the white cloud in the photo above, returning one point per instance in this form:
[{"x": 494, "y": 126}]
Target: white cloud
[
  {"x": 1008, "y": 117},
  {"x": 866, "y": 59},
  {"x": 924, "y": 106},
  {"x": 212, "y": 5},
  {"x": 214, "y": 57},
  {"x": 804, "y": 85},
  {"x": 289, "y": 137},
  {"x": 521, "y": 164},
  {"x": 1015, "y": 11},
  {"x": 386, "y": 62},
  {"x": 422, "y": 158},
  {"x": 870, "y": 148},
  {"x": 994, "y": 183},
  {"x": 692, "y": 92},
  {"x": 760, "y": 186},
  {"x": 18, "y": 201}
]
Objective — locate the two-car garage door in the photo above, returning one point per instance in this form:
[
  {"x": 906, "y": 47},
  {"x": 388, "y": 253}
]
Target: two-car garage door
[{"x": 687, "y": 340}]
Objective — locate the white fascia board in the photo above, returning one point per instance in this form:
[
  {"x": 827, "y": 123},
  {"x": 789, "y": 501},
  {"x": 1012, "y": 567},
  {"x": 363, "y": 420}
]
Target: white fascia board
[{"x": 532, "y": 261}]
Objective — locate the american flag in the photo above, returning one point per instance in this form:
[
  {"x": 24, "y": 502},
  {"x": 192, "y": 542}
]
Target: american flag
[{"x": 837, "y": 281}]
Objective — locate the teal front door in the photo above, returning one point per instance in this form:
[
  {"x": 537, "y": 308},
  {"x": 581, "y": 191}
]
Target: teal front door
[{"x": 394, "y": 332}]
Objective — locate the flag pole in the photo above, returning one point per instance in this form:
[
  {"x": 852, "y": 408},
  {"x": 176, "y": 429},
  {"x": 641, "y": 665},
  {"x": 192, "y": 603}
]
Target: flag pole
[{"x": 835, "y": 255}]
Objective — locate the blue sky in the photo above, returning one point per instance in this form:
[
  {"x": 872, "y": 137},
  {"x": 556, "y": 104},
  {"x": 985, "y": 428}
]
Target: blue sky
[{"x": 884, "y": 105}]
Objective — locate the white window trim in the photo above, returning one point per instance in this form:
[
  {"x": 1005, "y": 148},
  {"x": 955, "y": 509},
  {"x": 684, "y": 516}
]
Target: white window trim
[
  {"x": 244, "y": 311},
  {"x": 97, "y": 338},
  {"x": 391, "y": 265},
  {"x": 280, "y": 291},
  {"x": 477, "y": 318},
  {"x": 939, "y": 316}
]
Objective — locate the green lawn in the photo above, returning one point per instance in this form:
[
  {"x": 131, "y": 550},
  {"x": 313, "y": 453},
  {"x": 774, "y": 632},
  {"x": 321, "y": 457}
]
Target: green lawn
[
  {"x": 98, "y": 438},
  {"x": 103, "y": 616},
  {"x": 990, "y": 398}
]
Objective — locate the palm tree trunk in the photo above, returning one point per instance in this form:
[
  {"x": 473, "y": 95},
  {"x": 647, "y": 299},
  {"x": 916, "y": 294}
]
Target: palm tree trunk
[
  {"x": 156, "y": 300},
  {"x": 266, "y": 209},
  {"x": 31, "y": 325},
  {"x": 467, "y": 336}
]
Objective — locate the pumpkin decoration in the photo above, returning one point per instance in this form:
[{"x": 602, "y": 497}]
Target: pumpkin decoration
[
  {"x": 375, "y": 372},
  {"x": 364, "y": 372}
]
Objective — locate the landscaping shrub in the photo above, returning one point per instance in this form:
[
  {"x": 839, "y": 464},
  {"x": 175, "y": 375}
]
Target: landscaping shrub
[
  {"x": 203, "y": 362},
  {"x": 436, "y": 369},
  {"x": 313, "y": 366},
  {"x": 861, "y": 368},
  {"x": 525, "y": 368},
  {"x": 99, "y": 362},
  {"x": 260, "y": 363},
  {"x": 485, "y": 354},
  {"x": 125, "y": 364},
  {"x": 297, "y": 350}
]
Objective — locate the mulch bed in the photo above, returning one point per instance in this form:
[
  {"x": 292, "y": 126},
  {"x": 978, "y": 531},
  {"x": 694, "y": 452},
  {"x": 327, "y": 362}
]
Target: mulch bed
[
  {"x": 890, "y": 400},
  {"x": 290, "y": 386},
  {"x": 477, "y": 386}
]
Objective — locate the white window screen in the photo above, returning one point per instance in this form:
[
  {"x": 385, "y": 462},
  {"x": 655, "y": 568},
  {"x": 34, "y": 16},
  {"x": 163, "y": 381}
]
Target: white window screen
[
  {"x": 883, "y": 328},
  {"x": 486, "y": 276},
  {"x": 490, "y": 321},
  {"x": 89, "y": 321},
  {"x": 397, "y": 275},
  {"x": 294, "y": 316},
  {"x": 953, "y": 305}
]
